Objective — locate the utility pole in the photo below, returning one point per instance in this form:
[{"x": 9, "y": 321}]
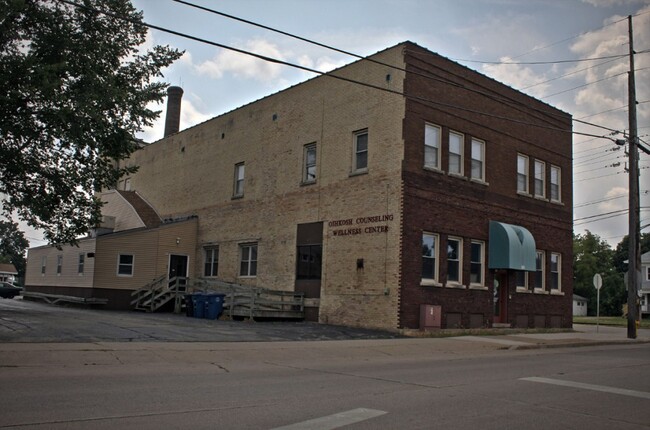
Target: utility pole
[{"x": 634, "y": 251}]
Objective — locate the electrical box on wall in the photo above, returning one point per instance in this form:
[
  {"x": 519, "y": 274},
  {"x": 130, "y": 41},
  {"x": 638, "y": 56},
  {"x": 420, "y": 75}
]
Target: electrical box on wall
[{"x": 430, "y": 317}]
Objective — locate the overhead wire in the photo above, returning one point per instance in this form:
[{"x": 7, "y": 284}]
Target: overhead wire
[{"x": 329, "y": 74}]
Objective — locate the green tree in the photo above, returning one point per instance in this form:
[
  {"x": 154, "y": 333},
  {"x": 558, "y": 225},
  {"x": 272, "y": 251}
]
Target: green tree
[
  {"x": 592, "y": 255},
  {"x": 622, "y": 248},
  {"x": 74, "y": 90},
  {"x": 13, "y": 245}
]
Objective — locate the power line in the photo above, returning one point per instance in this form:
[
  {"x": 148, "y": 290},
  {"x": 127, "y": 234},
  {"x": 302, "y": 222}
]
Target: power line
[
  {"x": 304, "y": 39},
  {"x": 581, "y": 205},
  {"x": 318, "y": 72}
]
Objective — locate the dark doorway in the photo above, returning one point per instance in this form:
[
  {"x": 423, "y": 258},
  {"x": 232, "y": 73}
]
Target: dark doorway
[
  {"x": 177, "y": 268},
  {"x": 309, "y": 258},
  {"x": 501, "y": 297}
]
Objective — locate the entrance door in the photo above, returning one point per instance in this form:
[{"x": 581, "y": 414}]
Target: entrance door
[
  {"x": 309, "y": 256},
  {"x": 177, "y": 268},
  {"x": 501, "y": 298}
]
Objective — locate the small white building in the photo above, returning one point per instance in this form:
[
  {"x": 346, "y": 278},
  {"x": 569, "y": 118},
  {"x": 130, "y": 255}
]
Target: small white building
[
  {"x": 579, "y": 306},
  {"x": 8, "y": 273}
]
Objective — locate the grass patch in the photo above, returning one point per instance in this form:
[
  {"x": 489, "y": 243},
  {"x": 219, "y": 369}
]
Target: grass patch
[{"x": 614, "y": 321}]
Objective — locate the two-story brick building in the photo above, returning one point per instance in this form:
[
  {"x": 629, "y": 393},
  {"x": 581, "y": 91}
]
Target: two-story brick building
[{"x": 401, "y": 191}]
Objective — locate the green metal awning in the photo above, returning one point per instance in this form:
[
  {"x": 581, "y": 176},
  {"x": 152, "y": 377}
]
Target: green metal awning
[{"x": 511, "y": 247}]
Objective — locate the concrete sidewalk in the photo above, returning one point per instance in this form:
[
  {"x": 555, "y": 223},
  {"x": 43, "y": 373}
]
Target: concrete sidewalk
[{"x": 583, "y": 335}]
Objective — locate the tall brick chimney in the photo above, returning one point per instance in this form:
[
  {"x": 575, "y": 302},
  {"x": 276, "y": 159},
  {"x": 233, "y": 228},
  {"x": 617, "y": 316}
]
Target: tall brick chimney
[{"x": 173, "y": 116}]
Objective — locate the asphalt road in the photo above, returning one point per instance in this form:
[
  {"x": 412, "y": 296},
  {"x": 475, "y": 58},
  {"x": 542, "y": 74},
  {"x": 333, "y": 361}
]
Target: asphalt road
[
  {"x": 321, "y": 384},
  {"x": 28, "y": 321}
]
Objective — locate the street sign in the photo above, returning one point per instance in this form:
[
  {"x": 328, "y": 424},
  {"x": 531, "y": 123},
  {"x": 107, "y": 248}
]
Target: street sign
[{"x": 598, "y": 281}]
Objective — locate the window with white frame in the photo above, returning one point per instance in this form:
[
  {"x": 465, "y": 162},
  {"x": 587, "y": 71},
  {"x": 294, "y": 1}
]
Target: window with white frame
[
  {"x": 429, "y": 257},
  {"x": 478, "y": 160},
  {"x": 211, "y": 261},
  {"x": 647, "y": 273},
  {"x": 540, "y": 179},
  {"x": 432, "y": 135},
  {"x": 43, "y": 264},
  {"x": 59, "y": 264},
  {"x": 556, "y": 181},
  {"x": 556, "y": 281},
  {"x": 309, "y": 162},
  {"x": 80, "y": 263},
  {"x": 477, "y": 255},
  {"x": 238, "y": 190},
  {"x": 521, "y": 280},
  {"x": 522, "y": 173},
  {"x": 248, "y": 260},
  {"x": 540, "y": 262},
  {"x": 456, "y": 153},
  {"x": 125, "y": 264},
  {"x": 454, "y": 260},
  {"x": 360, "y": 162}
]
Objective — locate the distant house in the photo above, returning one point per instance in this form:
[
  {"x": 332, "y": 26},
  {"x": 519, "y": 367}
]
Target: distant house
[
  {"x": 579, "y": 306},
  {"x": 8, "y": 272},
  {"x": 645, "y": 283}
]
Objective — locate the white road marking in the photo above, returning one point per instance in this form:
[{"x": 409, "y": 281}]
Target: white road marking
[
  {"x": 335, "y": 421},
  {"x": 604, "y": 389}
]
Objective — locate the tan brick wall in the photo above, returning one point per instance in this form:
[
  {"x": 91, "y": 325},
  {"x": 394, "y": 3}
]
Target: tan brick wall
[{"x": 192, "y": 173}]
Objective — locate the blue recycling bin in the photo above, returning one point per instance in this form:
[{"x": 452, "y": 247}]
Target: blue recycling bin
[
  {"x": 199, "y": 303},
  {"x": 214, "y": 305}
]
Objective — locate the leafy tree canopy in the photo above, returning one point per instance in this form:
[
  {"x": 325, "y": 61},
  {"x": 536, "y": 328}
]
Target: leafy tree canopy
[
  {"x": 13, "y": 245},
  {"x": 592, "y": 255},
  {"x": 74, "y": 90},
  {"x": 622, "y": 248}
]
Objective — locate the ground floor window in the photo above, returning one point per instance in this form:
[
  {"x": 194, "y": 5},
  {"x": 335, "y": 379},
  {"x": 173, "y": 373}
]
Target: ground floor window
[
  {"x": 211, "y": 265},
  {"x": 80, "y": 265},
  {"x": 540, "y": 262},
  {"x": 476, "y": 264},
  {"x": 555, "y": 271},
  {"x": 248, "y": 260},
  {"x": 429, "y": 256},
  {"x": 521, "y": 278},
  {"x": 125, "y": 265},
  {"x": 454, "y": 260}
]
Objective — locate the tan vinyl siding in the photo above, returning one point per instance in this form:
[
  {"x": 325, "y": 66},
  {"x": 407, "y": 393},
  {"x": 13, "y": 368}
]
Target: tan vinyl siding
[
  {"x": 151, "y": 250},
  {"x": 69, "y": 276}
]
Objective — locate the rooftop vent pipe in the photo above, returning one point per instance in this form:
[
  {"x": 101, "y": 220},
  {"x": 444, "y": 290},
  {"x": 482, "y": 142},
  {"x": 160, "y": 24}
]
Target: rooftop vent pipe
[{"x": 173, "y": 116}]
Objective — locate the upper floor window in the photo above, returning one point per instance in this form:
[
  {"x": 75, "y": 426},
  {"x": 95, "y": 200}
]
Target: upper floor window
[
  {"x": 540, "y": 262},
  {"x": 81, "y": 263},
  {"x": 522, "y": 173},
  {"x": 556, "y": 179},
  {"x": 360, "y": 161},
  {"x": 125, "y": 265},
  {"x": 43, "y": 264},
  {"x": 432, "y": 146},
  {"x": 540, "y": 178},
  {"x": 309, "y": 163},
  {"x": 476, "y": 263},
  {"x": 248, "y": 259},
  {"x": 239, "y": 180},
  {"x": 127, "y": 184},
  {"x": 429, "y": 256},
  {"x": 478, "y": 160},
  {"x": 454, "y": 260},
  {"x": 556, "y": 280},
  {"x": 456, "y": 153},
  {"x": 59, "y": 264},
  {"x": 211, "y": 262}
]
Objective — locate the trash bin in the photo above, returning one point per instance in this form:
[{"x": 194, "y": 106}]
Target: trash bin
[
  {"x": 214, "y": 306},
  {"x": 189, "y": 305},
  {"x": 198, "y": 305}
]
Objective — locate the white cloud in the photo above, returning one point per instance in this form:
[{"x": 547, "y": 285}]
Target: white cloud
[
  {"x": 517, "y": 76},
  {"x": 609, "y": 3},
  {"x": 245, "y": 66}
]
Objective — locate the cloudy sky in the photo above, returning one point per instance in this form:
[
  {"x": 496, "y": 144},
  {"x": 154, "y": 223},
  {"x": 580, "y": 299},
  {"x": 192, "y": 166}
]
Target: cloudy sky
[{"x": 471, "y": 32}]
